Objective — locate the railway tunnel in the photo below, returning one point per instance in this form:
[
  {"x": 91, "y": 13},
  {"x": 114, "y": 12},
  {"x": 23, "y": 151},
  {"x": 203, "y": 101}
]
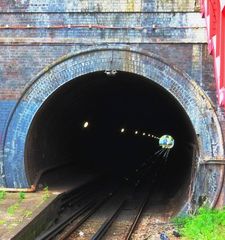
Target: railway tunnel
[
  {"x": 145, "y": 95},
  {"x": 57, "y": 136},
  {"x": 62, "y": 111}
]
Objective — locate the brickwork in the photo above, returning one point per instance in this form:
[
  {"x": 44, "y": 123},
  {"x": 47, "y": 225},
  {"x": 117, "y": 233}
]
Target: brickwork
[
  {"x": 34, "y": 34},
  {"x": 99, "y": 6},
  {"x": 102, "y": 28}
]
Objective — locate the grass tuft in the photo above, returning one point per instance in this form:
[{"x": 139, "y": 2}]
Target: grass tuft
[
  {"x": 206, "y": 224},
  {"x": 21, "y": 196},
  {"x": 46, "y": 194},
  {"x": 2, "y": 195},
  {"x": 11, "y": 210}
]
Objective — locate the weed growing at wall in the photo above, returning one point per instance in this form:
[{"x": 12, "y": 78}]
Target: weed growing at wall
[
  {"x": 46, "y": 194},
  {"x": 206, "y": 224},
  {"x": 2, "y": 195},
  {"x": 21, "y": 196}
]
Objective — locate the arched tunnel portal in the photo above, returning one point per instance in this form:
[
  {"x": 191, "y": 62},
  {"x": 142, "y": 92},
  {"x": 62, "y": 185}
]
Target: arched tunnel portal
[
  {"x": 110, "y": 103},
  {"x": 113, "y": 89}
]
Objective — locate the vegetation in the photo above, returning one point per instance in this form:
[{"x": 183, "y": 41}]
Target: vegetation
[
  {"x": 2, "y": 222},
  {"x": 18, "y": 210},
  {"x": 46, "y": 193},
  {"x": 2, "y": 195},
  {"x": 21, "y": 196},
  {"x": 206, "y": 224},
  {"x": 27, "y": 214},
  {"x": 11, "y": 210}
]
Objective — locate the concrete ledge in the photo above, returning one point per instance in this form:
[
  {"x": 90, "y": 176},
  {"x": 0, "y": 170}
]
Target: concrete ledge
[{"x": 41, "y": 219}]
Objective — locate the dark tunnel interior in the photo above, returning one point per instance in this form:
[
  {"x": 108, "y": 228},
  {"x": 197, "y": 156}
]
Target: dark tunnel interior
[{"x": 109, "y": 103}]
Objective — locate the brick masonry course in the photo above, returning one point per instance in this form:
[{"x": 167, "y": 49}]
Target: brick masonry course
[{"x": 99, "y": 6}]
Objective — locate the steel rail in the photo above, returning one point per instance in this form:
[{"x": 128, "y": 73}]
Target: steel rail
[
  {"x": 79, "y": 223},
  {"x": 137, "y": 217},
  {"x": 91, "y": 206},
  {"x": 52, "y": 232},
  {"x": 106, "y": 225},
  {"x": 74, "y": 192},
  {"x": 77, "y": 197}
]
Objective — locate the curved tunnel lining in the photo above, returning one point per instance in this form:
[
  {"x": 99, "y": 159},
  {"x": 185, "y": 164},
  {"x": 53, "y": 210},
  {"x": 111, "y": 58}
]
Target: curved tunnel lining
[
  {"x": 110, "y": 103},
  {"x": 124, "y": 59}
]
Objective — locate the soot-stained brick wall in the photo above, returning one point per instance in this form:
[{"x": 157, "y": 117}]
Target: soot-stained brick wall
[{"x": 35, "y": 33}]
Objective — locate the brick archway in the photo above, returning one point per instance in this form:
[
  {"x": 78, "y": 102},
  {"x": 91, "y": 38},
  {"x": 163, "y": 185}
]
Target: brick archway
[{"x": 206, "y": 179}]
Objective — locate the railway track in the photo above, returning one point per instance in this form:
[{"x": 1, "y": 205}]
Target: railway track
[
  {"x": 98, "y": 215},
  {"x": 111, "y": 228}
]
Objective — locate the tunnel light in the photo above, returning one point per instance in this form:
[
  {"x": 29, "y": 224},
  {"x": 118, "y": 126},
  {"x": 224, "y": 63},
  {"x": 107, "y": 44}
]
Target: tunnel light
[
  {"x": 122, "y": 130},
  {"x": 149, "y": 135},
  {"x": 143, "y": 134},
  {"x": 154, "y": 137},
  {"x": 166, "y": 141},
  {"x": 86, "y": 124},
  {"x": 111, "y": 72},
  {"x": 136, "y": 132}
]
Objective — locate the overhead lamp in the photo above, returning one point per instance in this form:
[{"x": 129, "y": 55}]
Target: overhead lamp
[{"x": 86, "y": 124}]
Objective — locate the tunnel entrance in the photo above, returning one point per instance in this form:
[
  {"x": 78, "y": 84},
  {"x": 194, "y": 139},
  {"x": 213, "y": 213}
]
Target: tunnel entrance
[
  {"x": 57, "y": 135},
  {"x": 148, "y": 95}
]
